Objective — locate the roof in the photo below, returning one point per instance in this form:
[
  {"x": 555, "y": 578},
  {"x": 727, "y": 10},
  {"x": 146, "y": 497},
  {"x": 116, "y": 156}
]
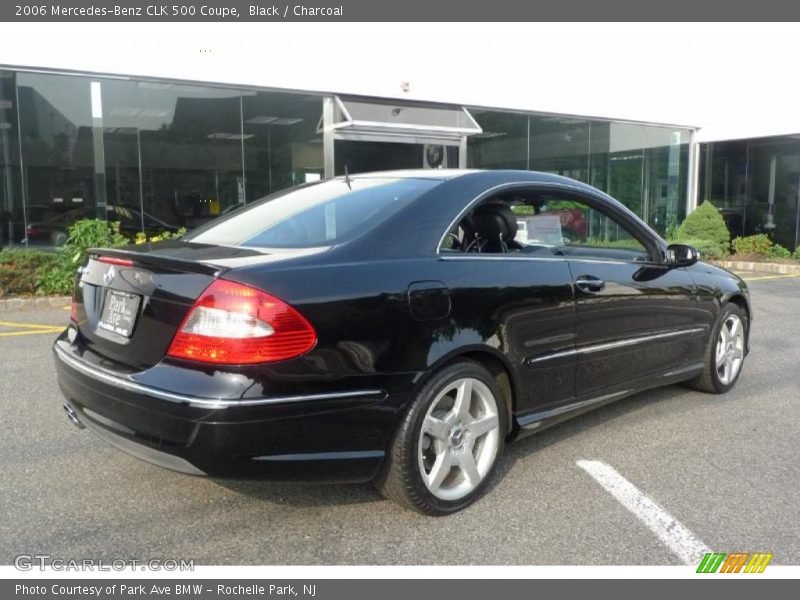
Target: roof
[{"x": 442, "y": 174}]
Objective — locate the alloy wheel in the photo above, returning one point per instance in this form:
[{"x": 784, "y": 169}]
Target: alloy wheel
[
  {"x": 730, "y": 349},
  {"x": 459, "y": 439}
]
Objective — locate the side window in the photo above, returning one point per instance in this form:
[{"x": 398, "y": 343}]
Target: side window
[
  {"x": 456, "y": 240},
  {"x": 575, "y": 229},
  {"x": 530, "y": 223}
]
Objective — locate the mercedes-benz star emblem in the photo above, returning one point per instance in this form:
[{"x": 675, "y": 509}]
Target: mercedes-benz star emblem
[{"x": 108, "y": 276}]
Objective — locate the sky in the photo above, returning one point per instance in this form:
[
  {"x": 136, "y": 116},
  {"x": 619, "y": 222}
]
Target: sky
[{"x": 730, "y": 80}]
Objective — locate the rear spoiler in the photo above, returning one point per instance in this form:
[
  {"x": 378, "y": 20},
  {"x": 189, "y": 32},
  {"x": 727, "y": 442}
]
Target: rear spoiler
[{"x": 148, "y": 259}]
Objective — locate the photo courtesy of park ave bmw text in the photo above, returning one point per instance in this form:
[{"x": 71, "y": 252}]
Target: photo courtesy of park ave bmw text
[{"x": 343, "y": 299}]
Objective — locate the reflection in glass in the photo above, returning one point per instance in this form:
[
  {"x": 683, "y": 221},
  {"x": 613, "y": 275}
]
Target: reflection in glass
[
  {"x": 665, "y": 177},
  {"x": 773, "y": 202},
  {"x": 756, "y": 186},
  {"x": 560, "y": 145},
  {"x": 617, "y": 162},
  {"x": 503, "y": 143},
  {"x": 281, "y": 145},
  {"x": 368, "y": 156},
  {"x": 12, "y": 215},
  {"x": 58, "y": 152}
]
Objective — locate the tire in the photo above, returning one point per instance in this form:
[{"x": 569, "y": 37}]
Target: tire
[
  {"x": 428, "y": 468},
  {"x": 724, "y": 348},
  {"x": 58, "y": 238}
]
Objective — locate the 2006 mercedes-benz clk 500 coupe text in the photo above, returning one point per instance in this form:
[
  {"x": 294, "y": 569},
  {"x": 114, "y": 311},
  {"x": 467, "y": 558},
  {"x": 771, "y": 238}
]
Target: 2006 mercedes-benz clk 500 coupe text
[{"x": 399, "y": 327}]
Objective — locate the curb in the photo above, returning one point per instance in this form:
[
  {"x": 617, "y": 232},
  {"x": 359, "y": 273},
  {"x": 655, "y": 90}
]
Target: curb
[
  {"x": 761, "y": 267},
  {"x": 34, "y": 302}
]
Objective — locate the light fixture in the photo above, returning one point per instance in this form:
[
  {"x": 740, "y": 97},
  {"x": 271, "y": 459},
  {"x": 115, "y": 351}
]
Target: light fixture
[
  {"x": 261, "y": 120},
  {"x": 154, "y": 85},
  {"x": 229, "y": 136},
  {"x": 132, "y": 111},
  {"x": 286, "y": 121},
  {"x": 489, "y": 134}
]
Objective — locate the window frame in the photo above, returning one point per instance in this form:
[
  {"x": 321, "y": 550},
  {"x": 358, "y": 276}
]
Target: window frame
[{"x": 638, "y": 230}]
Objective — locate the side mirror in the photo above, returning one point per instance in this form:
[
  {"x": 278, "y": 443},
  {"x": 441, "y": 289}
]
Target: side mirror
[{"x": 682, "y": 255}]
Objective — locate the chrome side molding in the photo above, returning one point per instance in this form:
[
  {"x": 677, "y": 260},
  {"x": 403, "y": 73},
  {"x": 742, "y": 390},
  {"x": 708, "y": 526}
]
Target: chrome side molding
[{"x": 532, "y": 360}]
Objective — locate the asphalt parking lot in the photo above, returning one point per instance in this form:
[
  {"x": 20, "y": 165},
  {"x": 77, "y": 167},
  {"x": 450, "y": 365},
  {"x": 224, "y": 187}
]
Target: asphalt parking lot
[{"x": 727, "y": 467}]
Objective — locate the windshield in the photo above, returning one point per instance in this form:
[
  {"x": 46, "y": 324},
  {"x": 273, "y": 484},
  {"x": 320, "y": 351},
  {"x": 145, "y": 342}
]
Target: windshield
[{"x": 322, "y": 214}]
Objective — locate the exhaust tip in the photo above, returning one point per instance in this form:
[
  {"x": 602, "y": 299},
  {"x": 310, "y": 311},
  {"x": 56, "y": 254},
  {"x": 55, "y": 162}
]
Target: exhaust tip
[{"x": 72, "y": 415}]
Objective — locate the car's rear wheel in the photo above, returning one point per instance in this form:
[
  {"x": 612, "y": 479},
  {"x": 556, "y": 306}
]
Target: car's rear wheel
[
  {"x": 446, "y": 448},
  {"x": 725, "y": 352}
]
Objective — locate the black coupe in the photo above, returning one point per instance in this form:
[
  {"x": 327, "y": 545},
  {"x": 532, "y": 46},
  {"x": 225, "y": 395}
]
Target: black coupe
[{"x": 399, "y": 327}]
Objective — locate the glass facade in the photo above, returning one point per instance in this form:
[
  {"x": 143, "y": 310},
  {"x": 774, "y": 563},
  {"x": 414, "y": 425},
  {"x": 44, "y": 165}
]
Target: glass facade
[
  {"x": 756, "y": 185},
  {"x": 153, "y": 155},
  {"x": 646, "y": 167},
  {"x": 159, "y": 155}
]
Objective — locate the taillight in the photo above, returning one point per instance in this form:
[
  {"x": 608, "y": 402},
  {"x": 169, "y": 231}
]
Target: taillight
[{"x": 236, "y": 324}]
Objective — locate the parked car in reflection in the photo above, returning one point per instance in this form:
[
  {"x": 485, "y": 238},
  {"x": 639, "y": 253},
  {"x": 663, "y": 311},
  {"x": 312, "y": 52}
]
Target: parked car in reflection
[
  {"x": 54, "y": 231},
  {"x": 390, "y": 327}
]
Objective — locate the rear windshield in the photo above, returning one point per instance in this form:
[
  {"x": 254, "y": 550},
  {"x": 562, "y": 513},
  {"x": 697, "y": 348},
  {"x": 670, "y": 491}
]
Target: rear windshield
[{"x": 322, "y": 214}]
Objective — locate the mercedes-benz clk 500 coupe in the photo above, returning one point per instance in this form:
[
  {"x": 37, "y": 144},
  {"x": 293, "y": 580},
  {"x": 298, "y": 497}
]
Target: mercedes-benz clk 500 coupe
[{"x": 390, "y": 327}]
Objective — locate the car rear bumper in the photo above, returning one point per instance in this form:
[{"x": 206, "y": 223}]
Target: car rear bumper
[{"x": 320, "y": 436}]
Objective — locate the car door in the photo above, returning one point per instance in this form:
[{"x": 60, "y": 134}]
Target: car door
[
  {"x": 522, "y": 303},
  {"x": 633, "y": 315}
]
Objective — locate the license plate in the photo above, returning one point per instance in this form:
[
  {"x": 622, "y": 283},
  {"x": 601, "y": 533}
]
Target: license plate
[{"x": 119, "y": 312}]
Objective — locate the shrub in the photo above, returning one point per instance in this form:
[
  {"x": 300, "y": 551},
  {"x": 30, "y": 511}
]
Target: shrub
[
  {"x": 705, "y": 225},
  {"x": 796, "y": 254},
  {"x": 600, "y": 242},
  {"x": 141, "y": 238},
  {"x": 94, "y": 233},
  {"x": 58, "y": 276},
  {"x": 28, "y": 272},
  {"x": 18, "y": 271},
  {"x": 778, "y": 251},
  {"x": 707, "y": 249},
  {"x": 759, "y": 244}
]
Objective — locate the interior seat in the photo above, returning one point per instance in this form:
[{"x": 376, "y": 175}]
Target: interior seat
[{"x": 495, "y": 227}]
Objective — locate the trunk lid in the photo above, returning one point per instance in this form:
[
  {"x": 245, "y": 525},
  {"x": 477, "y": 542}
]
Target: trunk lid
[{"x": 131, "y": 301}]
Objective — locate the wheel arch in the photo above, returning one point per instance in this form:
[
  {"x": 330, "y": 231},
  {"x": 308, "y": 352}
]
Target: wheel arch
[
  {"x": 742, "y": 302},
  {"x": 739, "y": 299},
  {"x": 497, "y": 364}
]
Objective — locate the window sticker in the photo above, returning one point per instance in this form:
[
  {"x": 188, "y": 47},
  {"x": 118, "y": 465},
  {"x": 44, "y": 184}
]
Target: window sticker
[{"x": 545, "y": 229}]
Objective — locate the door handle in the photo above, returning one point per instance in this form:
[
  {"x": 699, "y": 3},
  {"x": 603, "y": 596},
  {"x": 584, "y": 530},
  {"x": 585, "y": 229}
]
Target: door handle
[{"x": 587, "y": 283}]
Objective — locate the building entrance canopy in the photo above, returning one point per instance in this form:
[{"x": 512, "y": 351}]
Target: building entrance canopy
[{"x": 358, "y": 119}]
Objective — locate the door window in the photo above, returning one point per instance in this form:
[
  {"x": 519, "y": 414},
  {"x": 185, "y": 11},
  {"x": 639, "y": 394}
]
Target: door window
[
  {"x": 577, "y": 230},
  {"x": 537, "y": 224}
]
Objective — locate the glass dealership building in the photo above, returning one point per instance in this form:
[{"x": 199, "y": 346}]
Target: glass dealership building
[
  {"x": 168, "y": 152},
  {"x": 756, "y": 185}
]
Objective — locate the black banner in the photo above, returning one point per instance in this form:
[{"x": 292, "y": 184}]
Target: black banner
[
  {"x": 408, "y": 10},
  {"x": 385, "y": 589}
]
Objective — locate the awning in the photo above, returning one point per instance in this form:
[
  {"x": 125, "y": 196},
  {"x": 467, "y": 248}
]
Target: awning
[{"x": 361, "y": 119}]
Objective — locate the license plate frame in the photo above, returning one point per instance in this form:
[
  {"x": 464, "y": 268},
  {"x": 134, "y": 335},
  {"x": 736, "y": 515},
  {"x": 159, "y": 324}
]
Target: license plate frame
[{"x": 120, "y": 310}]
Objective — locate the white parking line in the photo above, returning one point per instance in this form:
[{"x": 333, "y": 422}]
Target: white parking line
[{"x": 668, "y": 529}]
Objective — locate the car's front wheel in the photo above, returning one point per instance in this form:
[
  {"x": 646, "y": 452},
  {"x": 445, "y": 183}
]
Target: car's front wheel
[
  {"x": 446, "y": 448},
  {"x": 725, "y": 352}
]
